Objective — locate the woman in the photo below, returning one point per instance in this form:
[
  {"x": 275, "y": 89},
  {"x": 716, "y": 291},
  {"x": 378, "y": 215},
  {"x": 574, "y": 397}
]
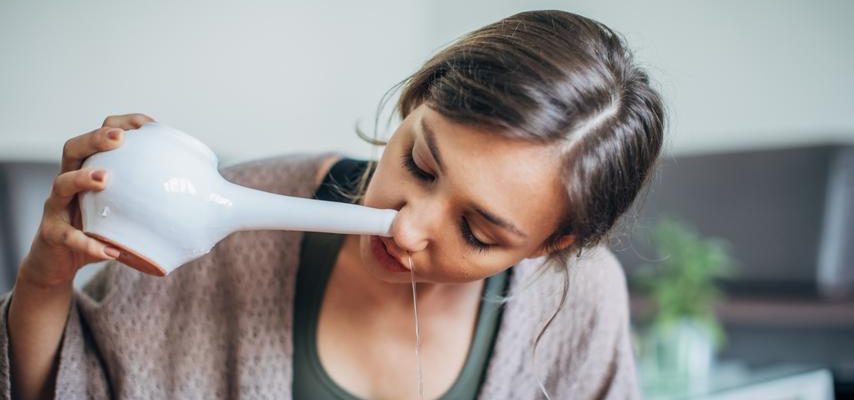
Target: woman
[{"x": 521, "y": 145}]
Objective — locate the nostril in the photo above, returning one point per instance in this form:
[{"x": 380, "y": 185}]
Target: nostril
[
  {"x": 390, "y": 247},
  {"x": 394, "y": 250}
]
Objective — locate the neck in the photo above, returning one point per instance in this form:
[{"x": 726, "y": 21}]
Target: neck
[{"x": 375, "y": 292}]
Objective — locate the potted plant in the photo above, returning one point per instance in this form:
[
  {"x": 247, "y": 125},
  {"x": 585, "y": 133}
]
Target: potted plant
[{"x": 684, "y": 334}]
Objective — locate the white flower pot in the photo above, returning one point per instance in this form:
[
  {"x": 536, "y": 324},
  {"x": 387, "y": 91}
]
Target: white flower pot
[{"x": 682, "y": 355}]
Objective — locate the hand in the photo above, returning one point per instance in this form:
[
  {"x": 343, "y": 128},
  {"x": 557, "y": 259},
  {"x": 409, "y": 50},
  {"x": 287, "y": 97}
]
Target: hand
[{"x": 60, "y": 248}]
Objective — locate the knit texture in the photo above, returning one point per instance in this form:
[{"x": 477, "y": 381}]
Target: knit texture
[{"x": 220, "y": 325}]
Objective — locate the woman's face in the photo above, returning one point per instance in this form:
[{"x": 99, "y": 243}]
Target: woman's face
[{"x": 438, "y": 190}]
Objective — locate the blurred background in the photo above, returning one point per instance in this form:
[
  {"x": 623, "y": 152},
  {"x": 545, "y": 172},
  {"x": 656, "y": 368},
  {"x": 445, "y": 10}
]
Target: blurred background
[{"x": 758, "y": 166}]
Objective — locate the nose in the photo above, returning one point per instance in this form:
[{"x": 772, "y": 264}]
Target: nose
[{"x": 415, "y": 226}]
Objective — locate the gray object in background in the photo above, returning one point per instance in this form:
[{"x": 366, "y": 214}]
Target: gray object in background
[
  {"x": 836, "y": 255},
  {"x": 776, "y": 207},
  {"x": 7, "y": 239}
]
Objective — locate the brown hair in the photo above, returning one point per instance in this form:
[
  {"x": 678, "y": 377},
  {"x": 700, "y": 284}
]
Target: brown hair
[{"x": 558, "y": 78}]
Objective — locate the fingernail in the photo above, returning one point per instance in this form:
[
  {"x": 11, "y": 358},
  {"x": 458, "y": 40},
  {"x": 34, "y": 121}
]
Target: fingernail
[
  {"x": 114, "y": 133},
  {"x": 98, "y": 175},
  {"x": 112, "y": 252}
]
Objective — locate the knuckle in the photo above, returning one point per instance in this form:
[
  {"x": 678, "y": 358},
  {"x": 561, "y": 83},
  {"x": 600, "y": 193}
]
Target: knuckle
[
  {"x": 65, "y": 237},
  {"x": 110, "y": 121},
  {"x": 90, "y": 247},
  {"x": 44, "y": 234},
  {"x": 50, "y": 234},
  {"x": 102, "y": 141},
  {"x": 57, "y": 184},
  {"x": 93, "y": 140}
]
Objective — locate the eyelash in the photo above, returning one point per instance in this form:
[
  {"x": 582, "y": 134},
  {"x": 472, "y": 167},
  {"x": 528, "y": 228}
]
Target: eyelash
[{"x": 468, "y": 236}]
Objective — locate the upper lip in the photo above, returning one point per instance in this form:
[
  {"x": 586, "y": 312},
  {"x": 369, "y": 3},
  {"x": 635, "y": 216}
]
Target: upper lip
[{"x": 390, "y": 249}]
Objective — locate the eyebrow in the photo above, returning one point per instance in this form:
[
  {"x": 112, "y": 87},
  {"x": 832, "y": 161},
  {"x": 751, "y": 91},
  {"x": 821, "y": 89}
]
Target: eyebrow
[{"x": 430, "y": 137}]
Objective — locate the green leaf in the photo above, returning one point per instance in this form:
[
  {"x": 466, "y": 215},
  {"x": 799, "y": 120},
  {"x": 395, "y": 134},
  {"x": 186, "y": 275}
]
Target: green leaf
[{"x": 683, "y": 283}]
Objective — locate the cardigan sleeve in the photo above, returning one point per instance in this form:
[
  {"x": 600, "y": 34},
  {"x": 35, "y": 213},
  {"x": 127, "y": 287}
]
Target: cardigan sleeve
[{"x": 81, "y": 373}]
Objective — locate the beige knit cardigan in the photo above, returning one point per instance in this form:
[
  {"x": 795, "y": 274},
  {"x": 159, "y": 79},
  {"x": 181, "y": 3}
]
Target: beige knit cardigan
[{"x": 220, "y": 326}]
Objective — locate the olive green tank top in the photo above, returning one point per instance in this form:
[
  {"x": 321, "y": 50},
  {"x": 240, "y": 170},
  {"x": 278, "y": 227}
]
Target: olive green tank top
[{"x": 318, "y": 254}]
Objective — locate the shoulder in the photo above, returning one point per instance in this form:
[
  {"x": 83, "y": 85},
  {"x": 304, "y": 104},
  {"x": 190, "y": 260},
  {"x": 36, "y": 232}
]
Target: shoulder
[
  {"x": 595, "y": 275},
  {"x": 324, "y": 167},
  {"x": 596, "y": 291},
  {"x": 599, "y": 273},
  {"x": 603, "y": 340},
  {"x": 584, "y": 336},
  {"x": 593, "y": 329}
]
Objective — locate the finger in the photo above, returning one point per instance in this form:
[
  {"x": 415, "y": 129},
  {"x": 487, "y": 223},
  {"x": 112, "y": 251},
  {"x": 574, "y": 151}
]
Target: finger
[
  {"x": 127, "y": 121},
  {"x": 80, "y": 147},
  {"x": 77, "y": 241},
  {"x": 67, "y": 185}
]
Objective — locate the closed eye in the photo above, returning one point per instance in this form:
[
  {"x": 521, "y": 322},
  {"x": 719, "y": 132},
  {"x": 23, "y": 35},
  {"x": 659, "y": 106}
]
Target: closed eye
[
  {"x": 419, "y": 173},
  {"x": 465, "y": 228}
]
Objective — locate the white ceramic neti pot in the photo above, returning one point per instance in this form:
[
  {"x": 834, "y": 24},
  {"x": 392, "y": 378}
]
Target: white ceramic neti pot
[{"x": 165, "y": 203}]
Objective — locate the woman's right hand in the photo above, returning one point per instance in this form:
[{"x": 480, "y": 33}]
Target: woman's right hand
[{"x": 60, "y": 248}]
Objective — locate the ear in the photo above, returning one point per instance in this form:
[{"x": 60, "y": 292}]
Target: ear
[{"x": 563, "y": 243}]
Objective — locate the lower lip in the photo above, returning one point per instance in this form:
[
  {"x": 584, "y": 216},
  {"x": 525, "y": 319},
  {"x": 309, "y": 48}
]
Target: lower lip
[{"x": 383, "y": 257}]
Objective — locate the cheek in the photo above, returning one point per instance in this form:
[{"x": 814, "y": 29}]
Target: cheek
[{"x": 460, "y": 264}]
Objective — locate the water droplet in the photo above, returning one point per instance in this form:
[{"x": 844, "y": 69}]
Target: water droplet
[{"x": 105, "y": 212}]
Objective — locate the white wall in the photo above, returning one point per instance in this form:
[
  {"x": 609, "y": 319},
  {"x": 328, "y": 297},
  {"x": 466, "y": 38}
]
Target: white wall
[
  {"x": 253, "y": 79},
  {"x": 250, "y": 79},
  {"x": 736, "y": 74}
]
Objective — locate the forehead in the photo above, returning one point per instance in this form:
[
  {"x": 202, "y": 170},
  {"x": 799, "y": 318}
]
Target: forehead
[{"x": 515, "y": 179}]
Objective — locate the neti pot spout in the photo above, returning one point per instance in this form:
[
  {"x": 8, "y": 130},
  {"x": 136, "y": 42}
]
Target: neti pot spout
[{"x": 252, "y": 209}]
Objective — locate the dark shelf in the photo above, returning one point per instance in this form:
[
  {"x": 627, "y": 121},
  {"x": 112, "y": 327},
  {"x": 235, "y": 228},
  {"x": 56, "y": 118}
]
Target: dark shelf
[{"x": 768, "y": 311}]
